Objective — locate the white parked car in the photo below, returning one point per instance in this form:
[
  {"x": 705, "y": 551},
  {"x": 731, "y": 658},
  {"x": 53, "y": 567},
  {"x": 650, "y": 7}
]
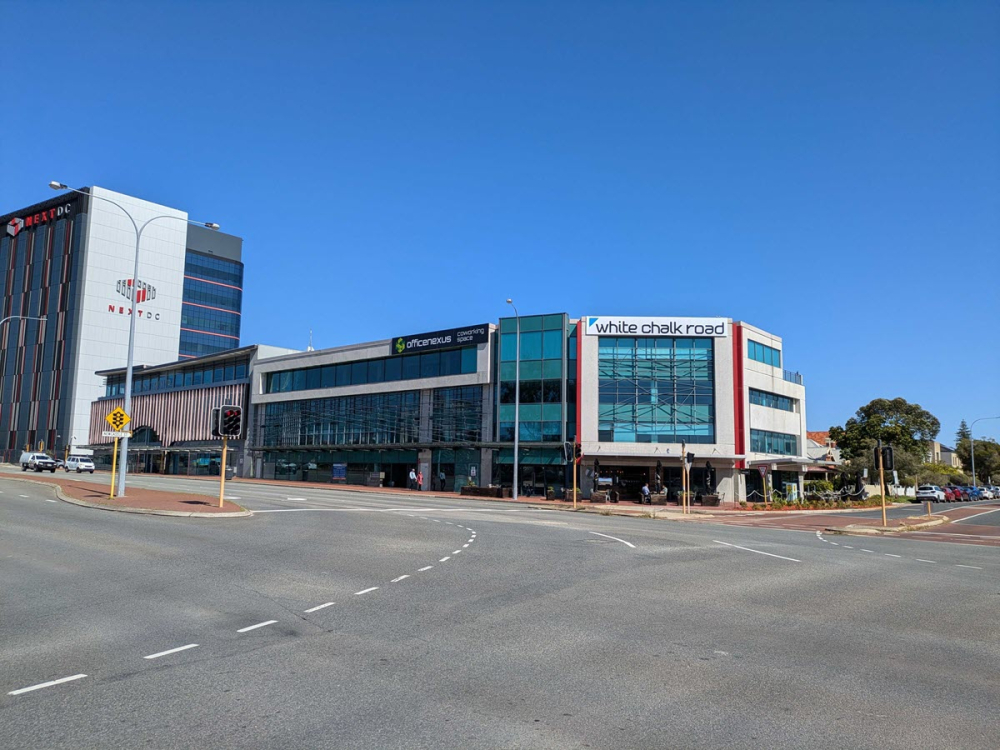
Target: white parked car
[
  {"x": 987, "y": 494},
  {"x": 79, "y": 464},
  {"x": 930, "y": 492}
]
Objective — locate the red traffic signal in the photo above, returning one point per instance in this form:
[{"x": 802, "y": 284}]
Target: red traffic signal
[{"x": 230, "y": 422}]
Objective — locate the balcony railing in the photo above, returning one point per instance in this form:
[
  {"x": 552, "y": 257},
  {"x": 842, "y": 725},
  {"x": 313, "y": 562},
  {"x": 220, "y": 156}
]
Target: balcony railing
[{"x": 793, "y": 377}]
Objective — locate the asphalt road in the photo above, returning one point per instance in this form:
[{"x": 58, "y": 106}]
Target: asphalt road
[{"x": 481, "y": 625}]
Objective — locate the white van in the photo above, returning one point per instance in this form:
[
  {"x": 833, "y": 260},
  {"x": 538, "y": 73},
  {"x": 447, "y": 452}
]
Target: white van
[{"x": 80, "y": 464}]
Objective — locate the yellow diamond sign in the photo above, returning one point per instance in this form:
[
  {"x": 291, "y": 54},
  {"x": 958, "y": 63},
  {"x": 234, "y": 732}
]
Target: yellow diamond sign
[{"x": 118, "y": 419}]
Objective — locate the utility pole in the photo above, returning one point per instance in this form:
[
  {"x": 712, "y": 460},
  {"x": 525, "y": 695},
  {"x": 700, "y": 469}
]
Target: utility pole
[{"x": 881, "y": 479}]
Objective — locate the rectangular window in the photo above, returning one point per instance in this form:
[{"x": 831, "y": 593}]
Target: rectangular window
[
  {"x": 328, "y": 376},
  {"x": 771, "y": 400},
  {"x": 393, "y": 369},
  {"x": 430, "y": 365},
  {"x": 775, "y": 443},
  {"x": 312, "y": 378},
  {"x": 359, "y": 373},
  {"x": 765, "y": 354},
  {"x": 241, "y": 370},
  {"x": 470, "y": 360},
  {"x": 343, "y": 375},
  {"x": 411, "y": 367},
  {"x": 376, "y": 370},
  {"x": 641, "y": 379}
]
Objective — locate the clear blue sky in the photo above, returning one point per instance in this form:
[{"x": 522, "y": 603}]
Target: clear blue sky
[{"x": 829, "y": 171}]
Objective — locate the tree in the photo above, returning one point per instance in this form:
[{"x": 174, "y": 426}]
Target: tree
[
  {"x": 909, "y": 465},
  {"x": 987, "y": 459},
  {"x": 964, "y": 433},
  {"x": 907, "y": 427}
]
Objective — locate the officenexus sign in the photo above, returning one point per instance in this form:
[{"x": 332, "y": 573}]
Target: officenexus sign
[
  {"x": 449, "y": 339},
  {"x": 605, "y": 325}
]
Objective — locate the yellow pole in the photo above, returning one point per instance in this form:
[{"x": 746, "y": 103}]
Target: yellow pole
[
  {"x": 222, "y": 474},
  {"x": 881, "y": 481},
  {"x": 114, "y": 467},
  {"x": 574, "y": 479}
]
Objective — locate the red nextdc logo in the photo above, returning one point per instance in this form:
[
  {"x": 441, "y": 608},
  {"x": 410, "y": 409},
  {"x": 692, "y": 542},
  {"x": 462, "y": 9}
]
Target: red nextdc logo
[
  {"x": 14, "y": 226},
  {"x": 143, "y": 293}
]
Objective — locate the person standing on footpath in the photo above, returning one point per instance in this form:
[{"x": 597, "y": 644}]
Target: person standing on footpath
[
  {"x": 420, "y": 481},
  {"x": 441, "y": 479},
  {"x": 411, "y": 481}
]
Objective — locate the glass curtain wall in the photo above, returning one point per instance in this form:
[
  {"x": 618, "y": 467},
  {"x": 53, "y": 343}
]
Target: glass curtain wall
[
  {"x": 543, "y": 348},
  {"x": 656, "y": 390}
]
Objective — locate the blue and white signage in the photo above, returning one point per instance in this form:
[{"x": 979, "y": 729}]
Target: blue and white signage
[{"x": 606, "y": 325}]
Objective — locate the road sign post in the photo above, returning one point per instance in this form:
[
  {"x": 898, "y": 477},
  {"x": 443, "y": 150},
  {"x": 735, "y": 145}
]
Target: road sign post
[
  {"x": 222, "y": 473},
  {"x": 763, "y": 480},
  {"x": 881, "y": 479},
  {"x": 117, "y": 419},
  {"x": 114, "y": 467}
]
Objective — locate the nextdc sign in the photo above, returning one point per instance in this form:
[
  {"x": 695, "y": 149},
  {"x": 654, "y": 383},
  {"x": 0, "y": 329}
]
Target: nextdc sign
[{"x": 609, "y": 326}]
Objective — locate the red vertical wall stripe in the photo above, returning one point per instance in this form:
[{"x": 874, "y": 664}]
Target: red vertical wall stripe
[{"x": 739, "y": 415}]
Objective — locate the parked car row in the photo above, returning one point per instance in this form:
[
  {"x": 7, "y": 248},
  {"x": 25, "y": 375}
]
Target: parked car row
[
  {"x": 39, "y": 462},
  {"x": 951, "y": 493}
]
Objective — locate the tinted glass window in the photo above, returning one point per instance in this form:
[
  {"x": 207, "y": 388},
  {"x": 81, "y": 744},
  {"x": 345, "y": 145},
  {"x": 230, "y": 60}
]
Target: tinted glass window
[{"x": 393, "y": 369}]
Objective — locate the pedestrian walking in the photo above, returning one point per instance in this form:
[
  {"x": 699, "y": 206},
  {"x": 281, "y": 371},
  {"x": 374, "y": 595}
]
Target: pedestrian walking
[
  {"x": 411, "y": 482},
  {"x": 441, "y": 479},
  {"x": 420, "y": 481}
]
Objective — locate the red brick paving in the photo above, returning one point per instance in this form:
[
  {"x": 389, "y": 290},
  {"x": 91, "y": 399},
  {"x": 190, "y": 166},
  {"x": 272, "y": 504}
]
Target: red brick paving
[{"x": 96, "y": 494}]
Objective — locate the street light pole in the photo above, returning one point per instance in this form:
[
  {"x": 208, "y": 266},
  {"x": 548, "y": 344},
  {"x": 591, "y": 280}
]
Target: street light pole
[
  {"x": 2, "y": 322},
  {"x": 972, "y": 446},
  {"x": 517, "y": 394},
  {"x": 131, "y": 327}
]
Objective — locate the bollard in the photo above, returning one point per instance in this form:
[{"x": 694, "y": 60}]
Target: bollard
[{"x": 928, "y": 508}]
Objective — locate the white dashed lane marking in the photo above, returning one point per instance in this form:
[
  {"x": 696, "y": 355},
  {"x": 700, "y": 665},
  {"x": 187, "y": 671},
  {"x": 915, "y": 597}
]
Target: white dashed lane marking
[
  {"x": 258, "y": 625},
  {"x": 50, "y": 683},
  {"x": 321, "y": 606},
  {"x": 927, "y": 561},
  {"x": 397, "y": 580},
  {"x": 171, "y": 651},
  {"x": 888, "y": 555},
  {"x": 971, "y": 567},
  {"x": 365, "y": 591},
  {"x": 444, "y": 559},
  {"x": 425, "y": 568}
]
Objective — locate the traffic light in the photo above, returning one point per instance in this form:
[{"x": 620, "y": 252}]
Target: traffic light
[
  {"x": 215, "y": 423},
  {"x": 230, "y": 421},
  {"x": 577, "y": 451},
  {"x": 886, "y": 457},
  {"x": 567, "y": 452}
]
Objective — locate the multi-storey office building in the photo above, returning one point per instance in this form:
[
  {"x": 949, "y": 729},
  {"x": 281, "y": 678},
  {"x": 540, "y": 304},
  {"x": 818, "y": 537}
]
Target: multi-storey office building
[
  {"x": 636, "y": 393},
  {"x": 369, "y": 413},
  {"x": 171, "y": 409},
  {"x": 70, "y": 260},
  {"x": 655, "y": 389}
]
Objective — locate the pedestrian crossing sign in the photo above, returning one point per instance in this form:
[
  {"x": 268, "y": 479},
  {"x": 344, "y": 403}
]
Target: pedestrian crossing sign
[{"x": 118, "y": 419}]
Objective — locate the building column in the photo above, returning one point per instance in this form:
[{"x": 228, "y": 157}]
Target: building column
[
  {"x": 485, "y": 478},
  {"x": 425, "y": 465}
]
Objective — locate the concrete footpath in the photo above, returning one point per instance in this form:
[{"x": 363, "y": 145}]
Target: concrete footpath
[{"x": 137, "y": 500}]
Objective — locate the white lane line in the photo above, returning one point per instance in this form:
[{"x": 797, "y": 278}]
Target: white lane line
[
  {"x": 397, "y": 580},
  {"x": 449, "y": 523},
  {"x": 847, "y": 546},
  {"x": 22, "y": 495},
  {"x": 888, "y": 555},
  {"x": 597, "y": 533},
  {"x": 747, "y": 549},
  {"x": 426, "y": 568},
  {"x": 456, "y": 552},
  {"x": 960, "y": 520},
  {"x": 464, "y": 546},
  {"x": 321, "y": 606},
  {"x": 443, "y": 559},
  {"x": 365, "y": 591},
  {"x": 930, "y": 561},
  {"x": 228, "y": 497},
  {"x": 868, "y": 550},
  {"x": 49, "y": 501},
  {"x": 296, "y": 499},
  {"x": 971, "y": 567},
  {"x": 835, "y": 544},
  {"x": 171, "y": 651},
  {"x": 258, "y": 625},
  {"x": 50, "y": 683}
]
